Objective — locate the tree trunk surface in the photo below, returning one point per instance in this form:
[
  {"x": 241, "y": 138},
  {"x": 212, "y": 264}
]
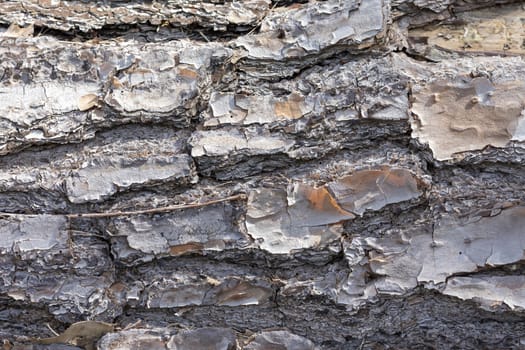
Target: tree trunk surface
[{"x": 262, "y": 174}]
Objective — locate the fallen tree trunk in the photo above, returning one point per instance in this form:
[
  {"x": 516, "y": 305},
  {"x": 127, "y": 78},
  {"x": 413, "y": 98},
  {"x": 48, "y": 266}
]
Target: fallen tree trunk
[{"x": 309, "y": 175}]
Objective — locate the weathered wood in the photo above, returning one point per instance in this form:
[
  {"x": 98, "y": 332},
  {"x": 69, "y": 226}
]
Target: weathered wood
[{"x": 256, "y": 174}]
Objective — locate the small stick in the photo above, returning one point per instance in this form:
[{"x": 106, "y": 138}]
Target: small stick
[
  {"x": 262, "y": 19},
  {"x": 52, "y": 330},
  {"x": 204, "y": 36},
  {"x": 133, "y": 325},
  {"x": 139, "y": 212},
  {"x": 156, "y": 210}
]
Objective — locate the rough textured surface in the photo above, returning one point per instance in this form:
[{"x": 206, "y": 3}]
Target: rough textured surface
[
  {"x": 310, "y": 28},
  {"x": 492, "y": 31},
  {"x": 50, "y": 100},
  {"x": 67, "y": 15},
  {"x": 262, "y": 174}
]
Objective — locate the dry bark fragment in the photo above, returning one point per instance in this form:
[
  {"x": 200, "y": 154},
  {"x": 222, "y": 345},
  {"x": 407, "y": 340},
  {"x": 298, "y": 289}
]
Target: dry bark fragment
[
  {"x": 52, "y": 98},
  {"x": 119, "y": 161},
  {"x": 310, "y": 28},
  {"x": 404, "y": 262},
  {"x": 494, "y": 31},
  {"x": 466, "y": 105},
  {"x": 84, "y": 334},
  {"x": 70, "y": 15},
  {"x": 490, "y": 291},
  {"x": 281, "y": 340}
]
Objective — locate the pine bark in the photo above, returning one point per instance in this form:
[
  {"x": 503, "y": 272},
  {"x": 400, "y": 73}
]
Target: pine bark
[{"x": 262, "y": 174}]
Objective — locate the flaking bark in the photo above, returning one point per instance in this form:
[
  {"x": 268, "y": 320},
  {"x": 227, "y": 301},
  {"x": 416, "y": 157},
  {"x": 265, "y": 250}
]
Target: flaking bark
[{"x": 245, "y": 175}]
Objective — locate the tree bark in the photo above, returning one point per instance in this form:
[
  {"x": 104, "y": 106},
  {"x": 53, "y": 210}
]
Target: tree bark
[{"x": 262, "y": 175}]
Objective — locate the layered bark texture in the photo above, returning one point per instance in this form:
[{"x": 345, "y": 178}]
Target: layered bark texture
[{"x": 339, "y": 174}]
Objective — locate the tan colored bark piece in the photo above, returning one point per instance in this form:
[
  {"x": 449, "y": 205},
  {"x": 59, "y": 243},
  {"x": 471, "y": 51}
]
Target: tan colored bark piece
[
  {"x": 466, "y": 114},
  {"x": 491, "y": 31},
  {"x": 85, "y": 334}
]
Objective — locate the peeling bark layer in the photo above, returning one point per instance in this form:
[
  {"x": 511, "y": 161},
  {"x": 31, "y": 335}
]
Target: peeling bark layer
[{"x": 257, "y": 174}]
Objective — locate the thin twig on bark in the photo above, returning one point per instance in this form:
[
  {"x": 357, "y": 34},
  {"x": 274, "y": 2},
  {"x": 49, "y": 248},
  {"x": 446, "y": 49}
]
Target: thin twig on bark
[
  {"x": 142, "y": 211},
  {"x": 155, "y": 210}
]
